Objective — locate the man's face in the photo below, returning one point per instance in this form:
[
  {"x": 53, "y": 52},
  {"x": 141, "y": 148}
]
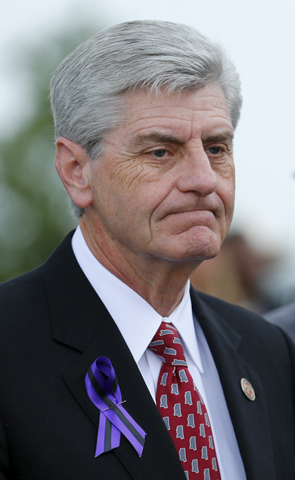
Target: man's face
[{"x": 164, "y": 186}]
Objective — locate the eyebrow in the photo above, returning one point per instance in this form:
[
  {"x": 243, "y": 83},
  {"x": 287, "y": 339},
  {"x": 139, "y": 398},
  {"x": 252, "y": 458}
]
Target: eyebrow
[
  {"x": 155, "y": 137},
  {"x": 221, "y": 137}
]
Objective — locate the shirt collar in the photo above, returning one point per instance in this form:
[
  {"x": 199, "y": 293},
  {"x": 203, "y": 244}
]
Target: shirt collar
[{"x": 135, "y": 318}]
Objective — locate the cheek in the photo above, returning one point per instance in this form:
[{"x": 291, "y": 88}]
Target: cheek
[
  {"x": 228, "y": 211},
  {"x": 133, "y": 174},
  {"x": 228, "y": 192}
]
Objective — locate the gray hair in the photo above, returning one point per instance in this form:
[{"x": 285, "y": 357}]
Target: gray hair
[{"x": 88, "y": 87}]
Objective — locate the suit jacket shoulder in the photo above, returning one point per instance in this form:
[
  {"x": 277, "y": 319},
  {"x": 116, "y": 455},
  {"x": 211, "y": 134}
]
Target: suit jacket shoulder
[{"x": 244, "y": 345}]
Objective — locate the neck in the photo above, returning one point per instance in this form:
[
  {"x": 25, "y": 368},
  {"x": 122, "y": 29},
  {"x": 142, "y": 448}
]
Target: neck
[{"x": 160, "y": 282}]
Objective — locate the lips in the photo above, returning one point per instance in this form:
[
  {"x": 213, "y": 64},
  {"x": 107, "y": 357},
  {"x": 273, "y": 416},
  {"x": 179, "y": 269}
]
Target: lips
[
  {"x": 200, "y": 214},
  {"x": 182, "y": 221},
  {"x": 186, "y": 210}
]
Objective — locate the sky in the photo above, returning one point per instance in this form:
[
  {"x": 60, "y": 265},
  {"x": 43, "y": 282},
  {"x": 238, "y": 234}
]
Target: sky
[{"x": 259, "y": 37}]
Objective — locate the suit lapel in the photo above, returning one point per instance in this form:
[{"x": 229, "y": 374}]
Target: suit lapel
[
  {"x": 250, "y": 419},
  {"x": 81, "y": 321},
  {"x": 159, "y": 452}
]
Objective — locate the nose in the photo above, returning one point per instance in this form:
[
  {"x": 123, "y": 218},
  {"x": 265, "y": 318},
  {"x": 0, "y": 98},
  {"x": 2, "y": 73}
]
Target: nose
[{"x": 197, "y": 174}]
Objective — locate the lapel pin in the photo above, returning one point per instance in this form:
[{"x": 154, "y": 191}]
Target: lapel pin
[{"x": 247, "y": 389}]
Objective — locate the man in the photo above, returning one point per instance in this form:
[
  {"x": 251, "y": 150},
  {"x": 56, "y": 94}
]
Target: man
[{"x": 145, "y": 114}]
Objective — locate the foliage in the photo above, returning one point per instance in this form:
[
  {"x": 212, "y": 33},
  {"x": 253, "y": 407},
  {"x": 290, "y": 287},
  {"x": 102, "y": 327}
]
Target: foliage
[{"x": 35, "y": 215}]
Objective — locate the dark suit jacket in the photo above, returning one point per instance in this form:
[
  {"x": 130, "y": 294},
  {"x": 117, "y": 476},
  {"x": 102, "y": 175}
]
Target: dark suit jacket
[{"x": 53, "y": 326}]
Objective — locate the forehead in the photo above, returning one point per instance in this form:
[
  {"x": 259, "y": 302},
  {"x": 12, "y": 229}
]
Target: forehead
[{"x": 187, "y": 114}]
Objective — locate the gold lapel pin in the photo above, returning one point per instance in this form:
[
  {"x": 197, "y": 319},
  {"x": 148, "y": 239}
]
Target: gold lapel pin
[{"x": 248, "y": 390}]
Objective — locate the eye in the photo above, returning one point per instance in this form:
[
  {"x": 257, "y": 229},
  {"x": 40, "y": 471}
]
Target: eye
[
  {"x": 160, "y": 153},
  {"x": 215, "y": 150}
]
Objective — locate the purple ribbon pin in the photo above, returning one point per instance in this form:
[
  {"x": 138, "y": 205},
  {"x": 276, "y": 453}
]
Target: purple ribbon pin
[{"x": 103, "y": 390}]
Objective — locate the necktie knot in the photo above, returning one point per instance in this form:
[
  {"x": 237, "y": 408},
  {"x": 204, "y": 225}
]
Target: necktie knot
[{"x": 167, "y": 345}]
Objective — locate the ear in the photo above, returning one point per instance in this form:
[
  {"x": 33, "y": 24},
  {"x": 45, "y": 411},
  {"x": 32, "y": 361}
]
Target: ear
[{"x": 73, "y": 166}]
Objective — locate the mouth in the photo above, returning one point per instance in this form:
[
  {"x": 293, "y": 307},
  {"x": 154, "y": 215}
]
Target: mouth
[
  {"x": 191, "y": 213},
  {"x": 181, "y": 221}
]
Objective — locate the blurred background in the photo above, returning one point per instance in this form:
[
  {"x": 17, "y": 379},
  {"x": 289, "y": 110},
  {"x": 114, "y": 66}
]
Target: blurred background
[{"x": 256, "y": 267}]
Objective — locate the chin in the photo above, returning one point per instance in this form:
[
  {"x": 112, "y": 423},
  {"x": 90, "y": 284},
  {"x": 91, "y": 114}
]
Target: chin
[
  {"x": 194, "y": 245},
  {"x": 192, "y": 254},
  {"x": 198, "y": 248}
]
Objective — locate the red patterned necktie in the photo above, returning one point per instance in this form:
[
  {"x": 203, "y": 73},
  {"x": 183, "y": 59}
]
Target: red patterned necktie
[{"x": 183, "y": 409}]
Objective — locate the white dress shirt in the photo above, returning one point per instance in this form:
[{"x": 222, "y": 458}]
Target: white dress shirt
[{"x": 138, "y": 323}]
